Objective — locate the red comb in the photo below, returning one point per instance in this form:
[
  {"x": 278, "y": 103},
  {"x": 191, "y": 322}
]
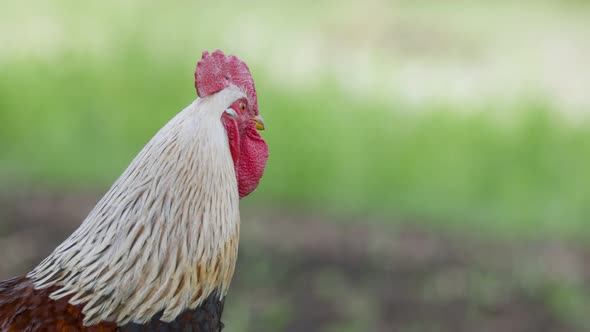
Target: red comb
[{"x": 217, "y": 71}]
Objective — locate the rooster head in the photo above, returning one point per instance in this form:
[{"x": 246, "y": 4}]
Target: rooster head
[{"x": 216, "y": 72}]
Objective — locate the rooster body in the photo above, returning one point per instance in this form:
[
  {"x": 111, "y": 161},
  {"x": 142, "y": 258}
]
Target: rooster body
[
  {"x": 159, "y": 249},
  {"x": 36, "y": 312}
]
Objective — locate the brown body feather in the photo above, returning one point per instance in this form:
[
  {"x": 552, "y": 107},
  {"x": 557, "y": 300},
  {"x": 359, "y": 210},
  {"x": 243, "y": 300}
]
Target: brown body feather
[{"x": 25, "y": 309}]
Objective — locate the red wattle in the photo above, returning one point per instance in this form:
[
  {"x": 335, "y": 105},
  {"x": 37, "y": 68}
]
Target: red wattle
[
  {"x": 249, "y": 153},
  {"x": 253, "y": 157}
]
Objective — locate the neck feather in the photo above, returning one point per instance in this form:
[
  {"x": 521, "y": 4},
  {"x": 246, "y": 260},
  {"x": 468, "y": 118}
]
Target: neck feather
[{"x": 164, "y": 237}]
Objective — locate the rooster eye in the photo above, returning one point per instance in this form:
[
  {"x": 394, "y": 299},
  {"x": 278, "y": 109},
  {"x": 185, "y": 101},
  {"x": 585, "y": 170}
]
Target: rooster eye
[{"x": 242, "y": 107}]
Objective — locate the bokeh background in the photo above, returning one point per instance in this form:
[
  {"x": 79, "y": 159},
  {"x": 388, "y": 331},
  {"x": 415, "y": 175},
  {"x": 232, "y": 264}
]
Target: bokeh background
[{"x": 430, "y": 161}]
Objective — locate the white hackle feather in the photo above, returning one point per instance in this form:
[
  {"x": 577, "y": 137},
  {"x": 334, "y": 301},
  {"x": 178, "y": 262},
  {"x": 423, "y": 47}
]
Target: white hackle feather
[{"x": 165, "y": 236}]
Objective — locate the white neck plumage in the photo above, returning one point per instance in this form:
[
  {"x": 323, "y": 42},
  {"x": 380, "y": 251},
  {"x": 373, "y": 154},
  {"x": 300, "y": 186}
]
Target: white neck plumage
[{"x": 165, "y": 236}]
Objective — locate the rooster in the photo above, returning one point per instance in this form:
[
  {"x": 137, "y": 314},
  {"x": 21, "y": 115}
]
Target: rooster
[{"x": 158, "y": 251}]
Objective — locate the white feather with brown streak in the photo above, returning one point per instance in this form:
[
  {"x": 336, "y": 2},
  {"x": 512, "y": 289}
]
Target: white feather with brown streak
[{"x": 165, "y": 236}]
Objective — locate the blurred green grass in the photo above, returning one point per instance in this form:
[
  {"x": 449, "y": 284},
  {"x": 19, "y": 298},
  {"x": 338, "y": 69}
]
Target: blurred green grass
[
  {"x": 81, "y": 123},
  {"x": 75, "y": 117}
]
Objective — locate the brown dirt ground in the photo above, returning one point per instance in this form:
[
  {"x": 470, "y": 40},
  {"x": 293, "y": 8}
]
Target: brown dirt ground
[{"x": 305, "y": 272}]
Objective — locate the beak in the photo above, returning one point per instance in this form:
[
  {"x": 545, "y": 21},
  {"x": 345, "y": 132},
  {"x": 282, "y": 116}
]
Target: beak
[{"x": 259, "y": 122}]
